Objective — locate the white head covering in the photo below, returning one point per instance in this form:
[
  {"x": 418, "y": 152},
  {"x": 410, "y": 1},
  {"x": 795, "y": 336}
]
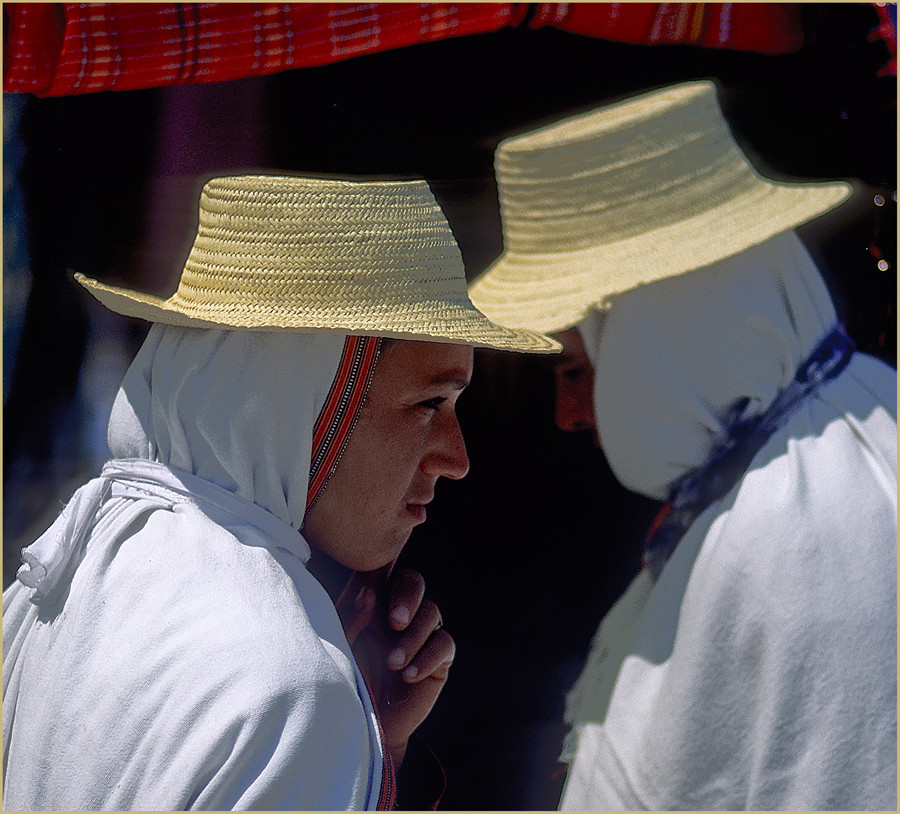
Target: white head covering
[
  {"x": 236, "y": 408},
  {"x": 674, "y": 357}
]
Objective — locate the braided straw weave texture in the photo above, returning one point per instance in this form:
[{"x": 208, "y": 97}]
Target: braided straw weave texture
[
  {"x": 648, "y": 188},
  {"x": 279, "y": 253}
]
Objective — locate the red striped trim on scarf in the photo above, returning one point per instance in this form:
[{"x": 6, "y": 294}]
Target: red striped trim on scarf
[
  {"x": 387, "y": 796},
  {"x": 341, "y": 410}
]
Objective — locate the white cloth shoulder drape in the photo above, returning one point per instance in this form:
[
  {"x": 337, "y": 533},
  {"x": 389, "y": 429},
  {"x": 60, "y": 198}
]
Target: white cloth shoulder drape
[
  {"x": 170, "y": 650},
  {"x": 759, "y": 672}
]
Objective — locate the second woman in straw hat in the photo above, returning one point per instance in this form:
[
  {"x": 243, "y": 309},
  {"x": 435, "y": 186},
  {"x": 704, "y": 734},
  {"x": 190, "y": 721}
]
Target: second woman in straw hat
[{"x": 751, "y": 664}]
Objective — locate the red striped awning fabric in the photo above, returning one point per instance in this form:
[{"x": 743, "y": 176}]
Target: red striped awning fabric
[{"x": 55, "y": 49}]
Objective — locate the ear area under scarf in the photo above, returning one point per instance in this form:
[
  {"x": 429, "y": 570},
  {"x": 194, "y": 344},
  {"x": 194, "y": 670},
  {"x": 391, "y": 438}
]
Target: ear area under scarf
[{"x": 341, "y": 410}]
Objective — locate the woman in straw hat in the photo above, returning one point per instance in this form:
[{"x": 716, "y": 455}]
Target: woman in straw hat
[
  {"x": 751, "y": 664},
  {"x": 171, "y": 641}
]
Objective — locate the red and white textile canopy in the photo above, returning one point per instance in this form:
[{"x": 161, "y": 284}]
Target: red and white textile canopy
[{"x": 56, "y": 49}]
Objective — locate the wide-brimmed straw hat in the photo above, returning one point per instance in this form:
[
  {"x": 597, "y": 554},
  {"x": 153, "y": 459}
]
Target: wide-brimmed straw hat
[
  {"x": 370, "y": 258},
  {"x": 643, "y": 189}
]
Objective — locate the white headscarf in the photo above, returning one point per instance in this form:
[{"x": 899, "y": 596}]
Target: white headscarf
[
  {"x": 236, "y": 408},
  {"x": 672, "y": 358}
]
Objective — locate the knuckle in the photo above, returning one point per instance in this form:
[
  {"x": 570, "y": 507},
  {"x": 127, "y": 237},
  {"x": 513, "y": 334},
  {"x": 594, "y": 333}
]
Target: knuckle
[
  {"x": 412, "y": 579},
  {"x": 430, "y": 611},
  {"x": 446, "y": 642}
]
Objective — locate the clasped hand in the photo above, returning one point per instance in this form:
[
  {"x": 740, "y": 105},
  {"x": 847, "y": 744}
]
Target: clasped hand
[{"x": 401, "y": 647}]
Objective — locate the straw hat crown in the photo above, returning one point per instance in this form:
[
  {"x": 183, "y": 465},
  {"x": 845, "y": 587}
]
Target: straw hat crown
[
  {"x": 640, "y": 190},
  {"x": 284, "y": 253}
]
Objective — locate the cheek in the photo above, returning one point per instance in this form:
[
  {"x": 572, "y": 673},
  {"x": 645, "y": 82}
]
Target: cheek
[
  {"x": 575, "y": 393},
  {"x": 394, "y": 457},
  {"x": 586, "y": 389}
]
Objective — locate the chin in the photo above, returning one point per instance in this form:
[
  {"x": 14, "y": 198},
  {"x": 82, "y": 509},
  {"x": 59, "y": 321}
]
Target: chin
[{"x": 376, "y": 562}]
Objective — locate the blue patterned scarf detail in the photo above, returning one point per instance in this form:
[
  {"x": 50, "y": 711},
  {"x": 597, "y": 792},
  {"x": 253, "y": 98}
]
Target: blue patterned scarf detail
[{"x": 697, "y": 490}]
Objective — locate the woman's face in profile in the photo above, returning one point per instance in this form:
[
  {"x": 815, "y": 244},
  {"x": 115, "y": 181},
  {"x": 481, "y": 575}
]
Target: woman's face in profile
[{"x": 406, "y": 438}]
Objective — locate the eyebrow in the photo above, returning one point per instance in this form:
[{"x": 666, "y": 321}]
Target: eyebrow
[{"x": 456, "y": 377}]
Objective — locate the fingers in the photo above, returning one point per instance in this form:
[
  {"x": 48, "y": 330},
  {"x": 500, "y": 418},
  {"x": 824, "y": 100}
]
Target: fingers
[
  {"x": 406, "y": 594},
  {"x": 424, "y": 647},
  {"x": 419, "y": 653},
  {"x": 433, "y": 660},
  {"x": 409, "y": 700}
]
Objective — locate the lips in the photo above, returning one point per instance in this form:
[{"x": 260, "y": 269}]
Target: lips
[
  {"x": 417, "y": 510},
  {"x": 416, "y": 506}
]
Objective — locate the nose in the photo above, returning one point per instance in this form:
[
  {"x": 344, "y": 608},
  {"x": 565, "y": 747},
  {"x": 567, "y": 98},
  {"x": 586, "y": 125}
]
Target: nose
[
  {"x": 574, "y": 408},
  {"x": 448, "y": 457}
]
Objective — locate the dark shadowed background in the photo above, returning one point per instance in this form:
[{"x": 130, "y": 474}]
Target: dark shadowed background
[{"x": 526, "y": 554}]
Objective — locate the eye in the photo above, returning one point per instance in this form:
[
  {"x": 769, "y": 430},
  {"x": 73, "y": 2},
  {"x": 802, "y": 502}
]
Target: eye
[
  {"x": 433, "y": 404},
  {"x": 571, "y": 372}
]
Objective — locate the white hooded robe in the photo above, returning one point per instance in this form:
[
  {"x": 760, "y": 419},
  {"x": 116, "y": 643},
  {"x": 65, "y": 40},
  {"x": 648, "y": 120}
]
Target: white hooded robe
[
  {"x": 171, "y": 650},
  {"x": 759, "y": 671}
]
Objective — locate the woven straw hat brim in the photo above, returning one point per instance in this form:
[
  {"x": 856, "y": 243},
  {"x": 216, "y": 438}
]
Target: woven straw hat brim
[
  {"x": 315, "y": 255},
  {"x": 550, "y": 292},
  {"x": 454, "y": 322}
]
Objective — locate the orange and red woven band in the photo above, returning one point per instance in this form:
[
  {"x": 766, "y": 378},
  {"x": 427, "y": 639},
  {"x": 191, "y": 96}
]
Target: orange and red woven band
[{"x": 341, "y": 410}]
